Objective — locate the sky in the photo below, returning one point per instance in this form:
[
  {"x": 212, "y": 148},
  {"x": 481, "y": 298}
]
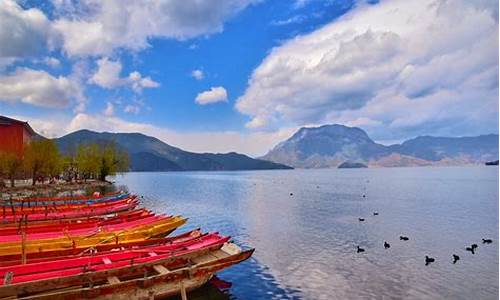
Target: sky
[{"x": 243, "y": 75}]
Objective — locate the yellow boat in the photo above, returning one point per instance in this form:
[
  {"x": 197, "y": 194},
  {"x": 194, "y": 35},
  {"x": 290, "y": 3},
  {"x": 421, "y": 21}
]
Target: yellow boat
[{"x": 155, "y": 229}]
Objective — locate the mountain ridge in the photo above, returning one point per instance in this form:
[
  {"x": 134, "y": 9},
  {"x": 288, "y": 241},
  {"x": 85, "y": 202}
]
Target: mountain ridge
[
  {"x": 330, "y": 145},
  {"x": 148, "y": 153}
]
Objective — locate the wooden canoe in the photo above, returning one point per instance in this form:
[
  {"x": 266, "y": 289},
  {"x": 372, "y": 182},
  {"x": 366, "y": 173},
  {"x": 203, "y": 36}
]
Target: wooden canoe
[
  {"x": 67, "y": 225},
  {"x": 104, "y": 261},
  {"x": 8, "y": 260},
  {"x": 81, "y": 213},
  {"x": 124, "y": 215},
  {"x": 154, "y": 277},
  {"x": 156, "y": 229},
  {"x": 73, "y": 198},
  {"x": 84, "y": 230},
  {"x": 60, "y": 208}
]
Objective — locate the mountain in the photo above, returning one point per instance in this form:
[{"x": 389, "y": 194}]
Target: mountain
[
  {"x": 150, "y": 154},
  {"x": 331, "y": 145}
]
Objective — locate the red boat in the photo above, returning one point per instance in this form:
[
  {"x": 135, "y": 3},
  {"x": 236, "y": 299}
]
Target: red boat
[
  {"x": 63, "y": 225},
  {"x": 146, "y": 276},
  {"x": 69, "y": 266},
  {"x": 59, "y": 208},
  {"x": 87, "y": 230},
  {"x": 8, "y": 260},
  {"x": 74, "y": 198},
  {"x": 81, "y": 213}
]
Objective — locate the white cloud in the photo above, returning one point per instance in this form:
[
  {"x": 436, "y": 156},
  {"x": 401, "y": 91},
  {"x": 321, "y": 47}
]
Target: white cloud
[
  {"x": 51, "y": 62},
  {"x": 138, "y": 82},
  {"x": 109, "y": 110},
  {"x": 214, "y": 95},
  {"x": 39, "y": 88},
  {"x": 108, "y": 72},
  {"x": 132, "y": 109},
  {"x": 23, "y": 33},
  {"x": 98, "y": 27},
  {"x": 425, "y": 65},
  {"x": 197, "y": 74}
]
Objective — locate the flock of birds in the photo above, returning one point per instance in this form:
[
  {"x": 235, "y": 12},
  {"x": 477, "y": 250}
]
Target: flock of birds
[{"x": 428, "y": 259}]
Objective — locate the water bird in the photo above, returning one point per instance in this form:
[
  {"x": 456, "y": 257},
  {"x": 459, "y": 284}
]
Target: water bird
[
  {"x": 487, "y": 241},
  {"x": 470, "y": 249},
  {"x": 428, "y": 260},
  {"x": 364, "y": 196},
  {"x": 359, "y": 250},
  {"x": 474, "y": 246},
  {"x": 375, "y": 213},
  {"x": 403, "y": 238},
  {"x": 291, "y": 194},
  {"x": 455, "y": 258},
  {"x": 387, "y": 245},
  {"x": 361, "y": 219}
]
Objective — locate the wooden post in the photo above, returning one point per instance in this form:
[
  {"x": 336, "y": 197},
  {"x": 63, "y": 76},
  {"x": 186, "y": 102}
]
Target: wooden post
[
  {"x": 183, "y": 291},
  {"x": 23, "y": 247}
]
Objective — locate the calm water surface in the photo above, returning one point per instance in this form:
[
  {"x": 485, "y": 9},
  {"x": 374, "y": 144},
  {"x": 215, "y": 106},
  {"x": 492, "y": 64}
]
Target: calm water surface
[{"x": 306, "y": 243}]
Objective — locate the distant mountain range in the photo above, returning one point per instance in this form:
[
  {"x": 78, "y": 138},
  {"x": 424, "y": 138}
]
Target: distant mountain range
[
  {"x": 150, "y": 154},
  {"x": 332, "y": 145}
]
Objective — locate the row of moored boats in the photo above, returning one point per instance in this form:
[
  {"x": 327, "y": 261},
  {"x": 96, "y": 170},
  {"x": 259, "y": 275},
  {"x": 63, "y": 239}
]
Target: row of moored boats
[{"x": 103, "y": 247}]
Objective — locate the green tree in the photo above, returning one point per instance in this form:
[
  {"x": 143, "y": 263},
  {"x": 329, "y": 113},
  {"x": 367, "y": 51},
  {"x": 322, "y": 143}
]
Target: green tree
[
  {"x": 88, "y": 160},
  {"x": 10, "y": 166},
  {"x": 113, "y": 160},
  {"x": 42, "y": 158},
  {"x": 99, "y": 161}
]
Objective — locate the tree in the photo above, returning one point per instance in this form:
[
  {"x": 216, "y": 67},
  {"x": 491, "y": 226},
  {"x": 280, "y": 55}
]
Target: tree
[
  {"x": 88, "y": 160},
  {"x": 113, "y": 160},
  {"x": 99, "y": 161},
  {"x": 42, "y": 158},
  {"x": 10, "y": 165}
]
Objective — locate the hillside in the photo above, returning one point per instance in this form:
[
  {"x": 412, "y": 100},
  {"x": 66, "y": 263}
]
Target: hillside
[{"x": 151, "y": 154}]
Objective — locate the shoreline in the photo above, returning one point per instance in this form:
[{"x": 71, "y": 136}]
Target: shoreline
[{"x": 24, "y": 191}]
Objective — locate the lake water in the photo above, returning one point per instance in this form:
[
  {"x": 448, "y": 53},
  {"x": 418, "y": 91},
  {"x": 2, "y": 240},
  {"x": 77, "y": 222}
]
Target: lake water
[{"x": 306, "y": 243}]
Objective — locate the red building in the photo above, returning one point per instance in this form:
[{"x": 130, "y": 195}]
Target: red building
[{"x": 14, "y": 134}]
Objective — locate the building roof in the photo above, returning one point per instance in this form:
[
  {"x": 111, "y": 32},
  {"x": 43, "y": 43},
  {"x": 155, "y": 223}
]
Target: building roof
[{"x": 8, "y": 121}]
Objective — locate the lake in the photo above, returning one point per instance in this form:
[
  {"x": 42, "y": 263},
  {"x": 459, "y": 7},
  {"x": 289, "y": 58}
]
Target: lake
[{"x": 306, "y": 242}]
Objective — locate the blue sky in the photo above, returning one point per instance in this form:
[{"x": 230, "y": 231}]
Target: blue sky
[{"x": 243, "y": 75}]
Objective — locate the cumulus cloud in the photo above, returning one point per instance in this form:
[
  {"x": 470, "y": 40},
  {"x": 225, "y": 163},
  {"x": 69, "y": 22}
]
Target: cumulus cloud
[
  {"x": 214, "y": 95},
  {"x": 197, "y": 74},
  {"x": 412, "y": 66},
  {"x": 108, "y": 72},
  {"x": 94, "y": 27},
  {"x": 23, "y": 33},
  {"x": 39, "y": 88}
]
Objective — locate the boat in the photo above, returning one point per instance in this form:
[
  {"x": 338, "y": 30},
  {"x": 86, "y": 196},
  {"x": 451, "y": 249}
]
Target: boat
[
  {"x": 80, "y": 213},
  {"x": 64, "y": 207},
  {"x": 96, "y": 197},
  {"x": 149, "y": 277},
  {"x": 154, "y": 229},
  {"x": 55, "y": 255},
  {"x": 66, "y": 225},
  {"x": 103, "y": 247}
]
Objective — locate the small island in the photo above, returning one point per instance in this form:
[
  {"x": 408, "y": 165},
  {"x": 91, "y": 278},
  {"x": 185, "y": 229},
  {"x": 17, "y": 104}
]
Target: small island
[{"x": 351, "y": 165}]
